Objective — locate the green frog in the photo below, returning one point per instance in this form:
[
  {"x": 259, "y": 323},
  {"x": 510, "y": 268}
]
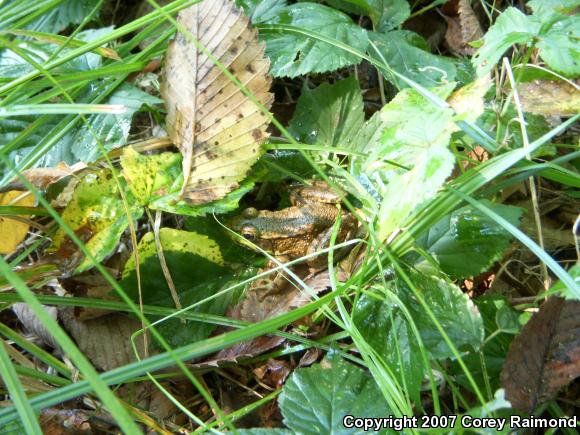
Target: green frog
[{"x": 301, "y": 229}]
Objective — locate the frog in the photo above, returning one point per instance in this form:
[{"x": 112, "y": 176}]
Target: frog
[{"x": 301, "y": 229}]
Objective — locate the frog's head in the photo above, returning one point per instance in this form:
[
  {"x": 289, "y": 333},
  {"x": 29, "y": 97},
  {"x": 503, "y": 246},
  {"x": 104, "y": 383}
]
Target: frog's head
[{"x": 247, "y": 225}]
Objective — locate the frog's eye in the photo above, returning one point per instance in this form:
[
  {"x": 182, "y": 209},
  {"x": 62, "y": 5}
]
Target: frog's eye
[
  {"x": 250, "y": 213},
  {"x": 249, "y": 232}
]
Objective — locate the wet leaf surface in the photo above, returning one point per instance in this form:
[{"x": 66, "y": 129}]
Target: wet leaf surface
[{"x": 545, "y": 357}]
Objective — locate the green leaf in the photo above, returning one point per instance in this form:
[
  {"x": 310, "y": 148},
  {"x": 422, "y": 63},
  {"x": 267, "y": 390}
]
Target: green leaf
[
  {"x": 111, "y": 131},
  {"x": 262, "y": 11},
  {"x": 548, "y": 10},
  {"x": 65, "y": 13},
  {"x": 453, "y": 309},
  {"x": 383, "y": 325},
  {"x": 559, "y": 47},
  {"x": 149, "y": 176},
  {"x": 511, "y": 27},
  {"x": 466, "y": 242},
  {"x": 385, "y": 14},
  {"x": 501, "y": 323},
  {"x": 292, "y": 54},
  {"x": 553, "y": 33},
  {"x": 315, "y": 399},
  {"x": 408, "y": 53},
  {"x": 196, "y": 266},
  {"x": 97, "y": 214},
  {"x": 329, "y": 115},
  {"x": 560, "y": 289},
  {"x": 411, "y": 160}
]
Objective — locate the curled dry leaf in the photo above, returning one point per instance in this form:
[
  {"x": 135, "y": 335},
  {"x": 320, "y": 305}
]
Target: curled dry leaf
[
  {"x": 217, "y": 128},
  {"x": 545, "y": 357},
  {"x": 463, "y": 29}
]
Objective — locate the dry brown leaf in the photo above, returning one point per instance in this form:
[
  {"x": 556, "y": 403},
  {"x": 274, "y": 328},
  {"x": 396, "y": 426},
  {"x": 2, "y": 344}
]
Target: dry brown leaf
[
  {"x": 105, "y": 341},
  {"x": 463, "y": 29},
  {"x": 545, "y": 356},
  {"x": 216, "y": 127},
  {"x": 549, "y": 98},
  {"x": 12, "y": 228}
]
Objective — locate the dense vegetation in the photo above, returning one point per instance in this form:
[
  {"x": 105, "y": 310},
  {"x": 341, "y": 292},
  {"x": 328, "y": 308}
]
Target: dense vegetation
[{"x": 296, "y": 211}]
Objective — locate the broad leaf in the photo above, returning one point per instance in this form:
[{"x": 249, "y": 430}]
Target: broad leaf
[
  {"x": 511, "y": 27},
  {"x": 501, "y": 322},
  {"x": 261, "y": 11},
  {"x": 13, "y": 230},
  {"x": 385, "y": 14},
  {"x": 545, "y": 357},
  {"x": 548, "y": 10},
  {"x": 554, "y": 34},
  {"x": 330, "y": 115},
  {"x": 294, "y": 54},
  {"x": 315, "y": 399},
  {"x": 383, "y": 325},
  {"x": 468, "y": 234},
  {"x": 195, "y": 264},
  {"x": 456, "y": 313},
  {"x": 65, "y": 13},
  {"x": 408, "y": 53},
  {"x": 411, "y": 159},
  {"x": 217, "y": 128},
  {"x": 156, "y": 182},
  {"x": 110, "y": 131},
  {"x": 97, "y": 215}
]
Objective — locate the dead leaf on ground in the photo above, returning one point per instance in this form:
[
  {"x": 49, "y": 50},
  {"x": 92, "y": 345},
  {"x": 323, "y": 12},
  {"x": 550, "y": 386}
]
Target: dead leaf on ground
[
  {"x": 216, "y": 127},
  {"x": 105, "y": 341},
  {"x": 266, "y": 298},
  {"x": 549, "y": 98},
  {"x": 12, "y": 228},
  {"x": 545, "y": 357},
  {"x": 462, "y": 28}
]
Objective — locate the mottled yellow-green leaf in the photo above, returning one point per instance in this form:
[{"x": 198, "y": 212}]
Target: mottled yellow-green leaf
[
  {"x": 217, "y": 128},
  {"x": 149, "y": 176},
  {"x": 97, "y": 215}
]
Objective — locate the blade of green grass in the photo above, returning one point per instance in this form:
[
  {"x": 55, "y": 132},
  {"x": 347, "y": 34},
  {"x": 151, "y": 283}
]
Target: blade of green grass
[{"x": 17, "y": 393}]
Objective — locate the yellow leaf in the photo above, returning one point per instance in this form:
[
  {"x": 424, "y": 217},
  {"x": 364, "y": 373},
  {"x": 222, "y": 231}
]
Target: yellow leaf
[
  {"x": 12, "y": 229},
  {"x": 216, "y": 127}
]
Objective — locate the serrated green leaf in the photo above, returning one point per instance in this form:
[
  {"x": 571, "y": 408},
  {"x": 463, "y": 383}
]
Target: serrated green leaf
[
  {"x": 385, "y": 14},
  {"x": 293, "y": 54},
  {"x": 466, "y": 242},
  {"x": 408, "y": 53},
  {"x": 559, "y": 47},
  {"x": 411, "y": 158},
  {"x": 97, "y": 214},
  {"x": 111, "y": 131},
  {"x": 261, "y": 11},
  {"x": 453, "y": 309},
  {"x": 511, "y": 27},
  {"x": 329, "y": 115},
  {"x": 196, "y": 266},
  {"x": 315, "y": 399},
  {"x": 383, "y": 325},
  {"x": 551, "y": 9},
  {"x": 554, "y": 34},
  {"x": 560, "y": 289},
  {"x": 65, "y": 13},
  {"x": 501, "y": 323}
]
